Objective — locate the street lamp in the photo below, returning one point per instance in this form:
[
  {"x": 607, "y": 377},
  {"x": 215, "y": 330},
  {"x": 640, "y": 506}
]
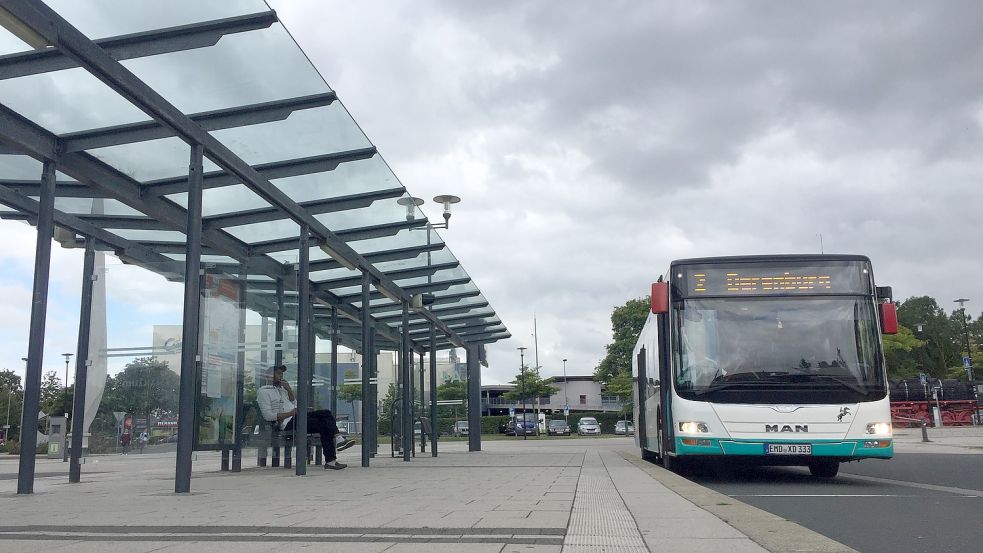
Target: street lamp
[
  {"x": 522, "y": 383},
  {"x": 426, "y": 298},
  {"x": 68, "y": 357},
  {"x": 566, "y": 400},
  {"x": 968, "y": 360}
]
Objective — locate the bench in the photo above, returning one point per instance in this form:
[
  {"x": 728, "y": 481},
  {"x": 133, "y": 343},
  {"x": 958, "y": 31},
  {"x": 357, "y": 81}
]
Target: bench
[{"x": 280, "y": 438}]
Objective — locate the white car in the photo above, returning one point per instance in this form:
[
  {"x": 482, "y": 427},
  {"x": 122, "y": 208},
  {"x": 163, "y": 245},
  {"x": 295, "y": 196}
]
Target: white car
[{"x": 588, "y": 426}]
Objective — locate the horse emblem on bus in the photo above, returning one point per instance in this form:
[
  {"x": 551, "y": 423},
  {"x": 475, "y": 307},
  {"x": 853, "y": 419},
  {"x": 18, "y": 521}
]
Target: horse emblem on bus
[{"x": 844, "y": 411}]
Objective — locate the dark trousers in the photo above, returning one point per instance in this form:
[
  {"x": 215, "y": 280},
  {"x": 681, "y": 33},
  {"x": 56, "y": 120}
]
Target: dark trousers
[{"x": 323, "y": 423}]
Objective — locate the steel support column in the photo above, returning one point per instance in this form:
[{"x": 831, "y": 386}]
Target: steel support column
[
  {"x": 189, "y": 332},
  {"x": 305, "y": 356},
  {"x": 423, "y": 406},
  {"x": 433, "y": 390},
  {"x": 373, "y": 393},
  {"x": 406, "y": 376},
  {"x": 366, "y": 368},
  {"x": 474, "y": 398},
  {"x": 334, "y": 363},
  {"x": 281, "y": 314},
  {"x": 240, "y": 372},
  {"x": 82, "y": 360},
  {"x": 35, "y": 345}
]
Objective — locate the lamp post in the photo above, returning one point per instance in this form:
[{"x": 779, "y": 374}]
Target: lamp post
[
  {"x": 68, "y": 357},
  {"x": 968, "y": 360},
  {"x": 566, "y": 400},
  {"x": 411, "y": 203},
  {"x": 522, "y": 383}
]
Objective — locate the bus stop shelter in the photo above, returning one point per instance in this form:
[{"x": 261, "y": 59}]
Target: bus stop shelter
[{"x": 197, "y": 141}]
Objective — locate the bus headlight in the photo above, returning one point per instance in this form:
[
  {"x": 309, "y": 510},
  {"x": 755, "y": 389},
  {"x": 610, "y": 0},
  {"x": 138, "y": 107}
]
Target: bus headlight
[
  {"x": 690, "y": 427},
  {"x": 879, "y": 428}
]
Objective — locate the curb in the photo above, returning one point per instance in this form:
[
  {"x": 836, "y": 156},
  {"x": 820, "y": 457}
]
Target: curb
[{"x": 772, "y": 532}]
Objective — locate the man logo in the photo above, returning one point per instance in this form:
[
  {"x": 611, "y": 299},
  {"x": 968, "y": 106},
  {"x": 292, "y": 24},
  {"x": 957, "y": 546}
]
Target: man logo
[{"x": 786, "y": 428}]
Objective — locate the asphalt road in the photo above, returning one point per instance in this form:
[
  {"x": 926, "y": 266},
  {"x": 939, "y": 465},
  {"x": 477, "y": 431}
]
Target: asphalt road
[{"x": 915, "y": 502}]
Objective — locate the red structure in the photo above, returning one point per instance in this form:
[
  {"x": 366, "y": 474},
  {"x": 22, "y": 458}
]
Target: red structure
[{"x": 954, "y": 413}]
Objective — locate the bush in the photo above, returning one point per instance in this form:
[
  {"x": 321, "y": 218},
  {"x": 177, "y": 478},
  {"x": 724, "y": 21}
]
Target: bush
[{"x": 12, "y": 447}]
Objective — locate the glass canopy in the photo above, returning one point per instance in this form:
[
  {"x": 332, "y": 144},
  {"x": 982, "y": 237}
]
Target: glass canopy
[{"x": 234, "y": 71}]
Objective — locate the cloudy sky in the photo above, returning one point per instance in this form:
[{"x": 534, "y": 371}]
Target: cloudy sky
[{"x": 592, "y": 143}]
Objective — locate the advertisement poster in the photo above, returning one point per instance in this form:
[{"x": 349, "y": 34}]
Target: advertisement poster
[{"x": 219, "y": 360}]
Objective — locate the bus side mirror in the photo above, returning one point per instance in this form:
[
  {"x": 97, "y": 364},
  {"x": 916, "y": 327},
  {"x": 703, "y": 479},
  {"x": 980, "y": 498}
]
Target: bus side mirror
[
  {"x": 889, "y": 318},
  {"x": 660, "y": 298}
]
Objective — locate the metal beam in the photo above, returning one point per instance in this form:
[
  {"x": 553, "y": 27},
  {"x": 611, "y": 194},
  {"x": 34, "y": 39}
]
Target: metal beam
[
  {"x": 187, "y": 418},
  {"x": 135, "y": 45},
  {"x": 266, "y": 214},
  {"x": 460, "y": 329},
  {"x": 399, "y": 274},
  {"x": 141, "y": 255},
  {"x": 415, "y": 289},
  {"x": 240, "y": 116},
  {"x": 272, "y": 170},
  {"x": 63, "y": 189},
  {"x": 82, "y": 360},
  {"x": 437, "y": 312},
  {"x": 35, "y": 344},
  {"x": 51, "y": 27},
  {"x": 354, "y": 234},
  {"x": 396, "y": 254}
]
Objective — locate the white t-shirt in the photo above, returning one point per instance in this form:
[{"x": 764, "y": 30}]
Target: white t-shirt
[{"x": 272, "y": 401}]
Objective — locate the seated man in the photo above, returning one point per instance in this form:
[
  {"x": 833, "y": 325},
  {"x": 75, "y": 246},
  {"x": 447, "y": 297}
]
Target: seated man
[{"x": 276, "y": 402}]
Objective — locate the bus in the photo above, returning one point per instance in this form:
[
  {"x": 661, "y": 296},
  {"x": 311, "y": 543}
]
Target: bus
[{"x": 771, "y": 360}]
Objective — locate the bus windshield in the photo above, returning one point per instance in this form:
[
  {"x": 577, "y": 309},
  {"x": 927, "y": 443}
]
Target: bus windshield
[{"x": 778, "y": 349}]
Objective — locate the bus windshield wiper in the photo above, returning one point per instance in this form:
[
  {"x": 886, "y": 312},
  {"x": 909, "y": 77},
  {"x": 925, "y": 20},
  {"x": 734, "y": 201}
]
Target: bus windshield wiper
[{"x": 845, "y": 382}]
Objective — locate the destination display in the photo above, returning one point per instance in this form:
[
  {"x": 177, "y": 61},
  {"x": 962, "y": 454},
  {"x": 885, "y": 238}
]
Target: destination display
[{"x": 749, "y": 279}]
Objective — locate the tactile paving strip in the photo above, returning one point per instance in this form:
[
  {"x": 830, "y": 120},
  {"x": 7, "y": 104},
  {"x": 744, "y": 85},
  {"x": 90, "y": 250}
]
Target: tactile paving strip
[{"x": 600, "y": 521}]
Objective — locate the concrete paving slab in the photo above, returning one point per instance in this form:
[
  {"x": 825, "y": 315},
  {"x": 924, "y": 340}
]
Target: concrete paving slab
[{"x": 570, "y": 495}]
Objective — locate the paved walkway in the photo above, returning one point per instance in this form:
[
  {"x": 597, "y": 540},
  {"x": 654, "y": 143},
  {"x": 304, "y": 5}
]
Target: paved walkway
[{"x": 576, "y": 495}]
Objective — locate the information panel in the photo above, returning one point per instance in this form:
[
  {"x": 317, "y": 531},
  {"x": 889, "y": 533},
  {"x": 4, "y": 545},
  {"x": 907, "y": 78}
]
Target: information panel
[{"x": 760, "y": 279}]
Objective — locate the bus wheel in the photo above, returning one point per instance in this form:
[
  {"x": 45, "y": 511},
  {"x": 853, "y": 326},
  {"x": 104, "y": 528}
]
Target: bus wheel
[{"x": 824, "y": 469}]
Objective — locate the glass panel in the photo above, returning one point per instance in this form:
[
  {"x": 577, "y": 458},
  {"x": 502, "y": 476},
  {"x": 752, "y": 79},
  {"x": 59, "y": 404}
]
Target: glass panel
[
  {"x": 150, "y": 160},
  {"x": 243, "y": 68},
  {"x": 83, "y": 206},
  {"x": 222, "y": 330},
  {"x": 67, "y": 101},
  {"x": 105, "y": 19},
  {"x": 380, "y": 212},
  {"x": 272, "y": 230},
  {"x": 19, "y": 167},
  {"x": 305, "y": 133},
  {"x": 223, "y": 200},
  {"x": 153, "y": 235},
  {"x": 348, "y": 178}
]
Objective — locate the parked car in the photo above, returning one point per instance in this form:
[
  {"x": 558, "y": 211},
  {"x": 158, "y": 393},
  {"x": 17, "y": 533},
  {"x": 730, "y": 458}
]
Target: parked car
[
  {"x": 624, "y": 428},
  {"x": 508, "y": 428},
  {"x": 527, "y": 428},
  {"x": 558, "y": 428},
  {"x": 588, "y": 426},
  {"x": 460, "y": 428}
]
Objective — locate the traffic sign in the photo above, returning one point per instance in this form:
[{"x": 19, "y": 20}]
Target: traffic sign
[
  {"x": 967, "y": 361},
  {"x": 511, "y": 411}
]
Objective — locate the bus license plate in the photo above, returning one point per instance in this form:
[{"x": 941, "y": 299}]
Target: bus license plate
[{"x": 788, "y": 449}]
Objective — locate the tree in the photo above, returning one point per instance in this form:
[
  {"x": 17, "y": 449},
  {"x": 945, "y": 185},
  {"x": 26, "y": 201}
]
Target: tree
[
  {"x": 386, "y": 412},
  {"x": 901, "y": 363},
  {"x": 145, "y": 386},
  {"x": 350, "y": 392},
  {"x": 453, "y": 390},
  {"x": 528, "y": 386},
  {"x": 940, "y": 333},
  {"x": 621, "y": 385},
  {"x": 52, "y": 394},
  {"x": 626, "y": 324},
  {"x": 11, "y": 398}
]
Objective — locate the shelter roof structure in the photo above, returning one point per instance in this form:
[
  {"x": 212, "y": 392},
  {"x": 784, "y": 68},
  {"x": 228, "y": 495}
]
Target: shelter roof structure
[{"x": 115, "y": 94}]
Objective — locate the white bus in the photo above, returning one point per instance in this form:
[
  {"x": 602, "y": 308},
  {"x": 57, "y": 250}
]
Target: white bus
[{"x": 765, "y": 359}]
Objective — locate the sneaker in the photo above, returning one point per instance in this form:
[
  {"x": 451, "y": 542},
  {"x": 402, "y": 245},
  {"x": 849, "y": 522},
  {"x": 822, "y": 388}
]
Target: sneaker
[
  {"x": 335, "y": 466},
  {"x": 344, "y": 445}
]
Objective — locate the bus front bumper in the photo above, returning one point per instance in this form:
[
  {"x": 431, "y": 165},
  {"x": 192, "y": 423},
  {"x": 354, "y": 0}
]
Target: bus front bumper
[{"x": 856, "y": 449}]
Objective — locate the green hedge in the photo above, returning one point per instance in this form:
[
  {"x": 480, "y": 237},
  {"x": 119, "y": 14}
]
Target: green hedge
[{"x": 490, "y": 424}]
